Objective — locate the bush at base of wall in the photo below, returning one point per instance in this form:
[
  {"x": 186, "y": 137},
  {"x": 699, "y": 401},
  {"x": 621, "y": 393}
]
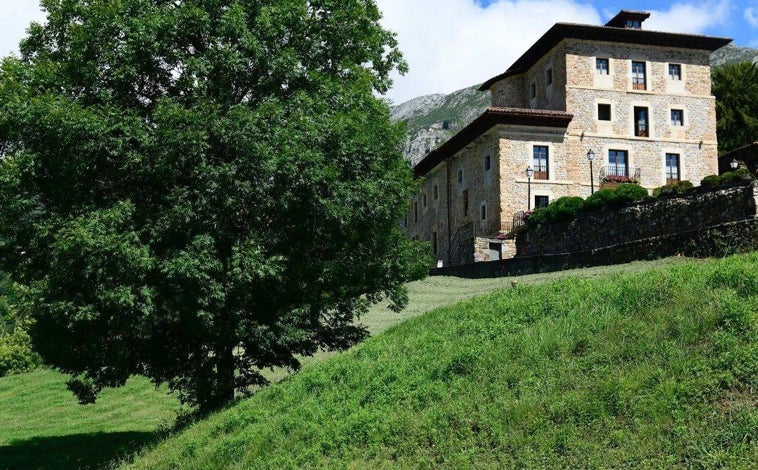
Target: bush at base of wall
[{"x": 565, "y": 208}]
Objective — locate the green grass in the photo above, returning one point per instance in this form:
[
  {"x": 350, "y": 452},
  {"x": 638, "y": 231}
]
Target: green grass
[
  {"x": 42, "y": 426},
  {"x": 652, "y": 369}
]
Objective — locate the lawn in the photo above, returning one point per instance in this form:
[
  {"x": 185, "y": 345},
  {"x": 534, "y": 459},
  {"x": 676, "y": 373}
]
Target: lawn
[{"x": 43, "y": 426}]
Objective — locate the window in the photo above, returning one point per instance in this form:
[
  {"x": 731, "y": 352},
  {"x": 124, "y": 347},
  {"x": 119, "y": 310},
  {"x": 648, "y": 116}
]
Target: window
[
  {"x": 487, "y": 162},
  {"x": 436, "y": 192},
  {"x": 533, "y": 90},
  {"x": 549, "y": 76},
  {"x": 641, "y": 128},
  {"x": 677, "y": 117},
  {"x": 423, "y": 198},
  {"x": 460, "y": 176},
  {"x": 483, "y": 211},
  {"x": 601, "y": 66},
  {"x": 541, "y": 201},
  {"x": 465, "y": 202},
  {"x": 634, "y": 24},
  {"x": 539, "y": 162},
  {"x": 415, "y": 211},
  {"x": 618, "y": 163},
  {"x": 675, "y": 72},
  {"x": 638, "y": 76},
  {"x": 603, "y": 112},
  {"x": 405, "y": 220},
  {"x": 434, "y": 242},
  {"x": 672, "y": 168}
]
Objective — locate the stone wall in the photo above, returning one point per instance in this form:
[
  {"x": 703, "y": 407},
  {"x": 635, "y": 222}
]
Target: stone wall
[
  {"x": 700, "y": 209},
  {"x": 700, "y": 224}
]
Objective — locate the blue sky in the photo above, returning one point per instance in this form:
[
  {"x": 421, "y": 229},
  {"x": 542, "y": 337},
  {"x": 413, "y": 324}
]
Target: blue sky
[{"x": 453, "y": 44}]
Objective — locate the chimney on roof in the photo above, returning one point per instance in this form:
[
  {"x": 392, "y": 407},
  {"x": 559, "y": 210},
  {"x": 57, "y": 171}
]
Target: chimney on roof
[{"x": 628, "y": 19}]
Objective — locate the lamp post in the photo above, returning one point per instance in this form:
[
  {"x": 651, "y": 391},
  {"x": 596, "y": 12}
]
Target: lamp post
[
  {"x": 734, "y": 164},
  {"x": 529, "y": 174},
  {"x": 590, "y": 157}
]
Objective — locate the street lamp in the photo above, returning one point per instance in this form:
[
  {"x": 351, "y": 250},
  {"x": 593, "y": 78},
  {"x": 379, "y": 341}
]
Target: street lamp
[
  {"x": 734, "y": 164},
  {"x": 529, "y": 174},
  {"x": 590, "y": 157}
]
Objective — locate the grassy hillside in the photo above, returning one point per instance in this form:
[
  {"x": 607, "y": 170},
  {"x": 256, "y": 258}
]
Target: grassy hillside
[
  {"x": 42, "y": 426},
  {"x": 655, "y": 369}
]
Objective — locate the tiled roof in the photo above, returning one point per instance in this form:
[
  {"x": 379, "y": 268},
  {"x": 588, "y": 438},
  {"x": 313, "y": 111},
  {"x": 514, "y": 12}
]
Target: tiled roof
[
  {"x": 485, "y": 122},
  {"x": 561, "y": 31}
]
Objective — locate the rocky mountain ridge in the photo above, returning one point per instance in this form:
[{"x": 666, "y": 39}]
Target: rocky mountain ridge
[{"x": 432, "y": 119}]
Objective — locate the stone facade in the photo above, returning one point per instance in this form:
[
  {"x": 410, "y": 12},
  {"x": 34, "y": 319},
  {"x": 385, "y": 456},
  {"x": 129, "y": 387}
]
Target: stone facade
[{"x": 668, "y": 116}]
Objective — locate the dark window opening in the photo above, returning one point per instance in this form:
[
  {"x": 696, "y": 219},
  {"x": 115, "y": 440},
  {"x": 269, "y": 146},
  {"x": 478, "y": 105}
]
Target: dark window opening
[
  {"x": 465, "y": 202},
  {"x": 434, "y": 242},
  {"x": 533, "y": 90},
  {"x": 487, "y": 163},
  {"x": 415, "y": 211},
  {"x": 484, "y": 211},
  {"x": 460, "y": 176},
  {"x": 603, "y": 112},
  {"x": 641, "y": 124},
  {"x": 541, "y": 201},
  {"x": 436, "y": 192},
  {"x": 549, "y": 76}
]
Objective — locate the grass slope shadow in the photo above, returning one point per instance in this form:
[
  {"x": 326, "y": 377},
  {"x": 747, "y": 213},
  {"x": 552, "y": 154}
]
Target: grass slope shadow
[{"x": 73, "y": 451}]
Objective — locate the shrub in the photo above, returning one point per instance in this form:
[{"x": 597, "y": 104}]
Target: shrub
[
  {"x": 710, "y": 181},
  {"x": 623, "y": 194},
  {"x": 560, "y": 210},
  {"x": 16, "y": 354},
  {"x": 679, "y": 188}
]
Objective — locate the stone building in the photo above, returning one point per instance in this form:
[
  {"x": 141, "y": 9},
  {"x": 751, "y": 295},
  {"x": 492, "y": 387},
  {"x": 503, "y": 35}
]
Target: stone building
[{"x": 640, "y": 100}]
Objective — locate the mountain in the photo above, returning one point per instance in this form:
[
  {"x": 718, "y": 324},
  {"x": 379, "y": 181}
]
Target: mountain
[{"x": 432, "y": 119}]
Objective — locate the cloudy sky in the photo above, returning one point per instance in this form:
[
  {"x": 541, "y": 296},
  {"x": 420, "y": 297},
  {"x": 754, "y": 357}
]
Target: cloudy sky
[{"x": 452, "y": 44}]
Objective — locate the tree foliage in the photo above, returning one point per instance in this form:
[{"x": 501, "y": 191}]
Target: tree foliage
[
  {"x": 736, "y": 89},
  {"x": 196, "y": 190}
]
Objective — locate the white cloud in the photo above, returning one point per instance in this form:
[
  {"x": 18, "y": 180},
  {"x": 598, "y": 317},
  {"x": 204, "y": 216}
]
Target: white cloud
[
  {"x": 751, "y": 17},
  {"x": 452, "y": 44},
  {"x": 14, "y": 19},
  {"x": 694, "y": 18}
]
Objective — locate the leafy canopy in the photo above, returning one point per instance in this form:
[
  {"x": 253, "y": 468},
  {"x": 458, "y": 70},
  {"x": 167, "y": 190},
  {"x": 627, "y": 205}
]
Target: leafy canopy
[
  {"x": 195, "y": 190},
  {"x": 735, "y": 87}
]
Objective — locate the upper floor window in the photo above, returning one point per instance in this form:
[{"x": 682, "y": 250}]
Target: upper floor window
[
  {"x": 603, "y": 112},
  {"x": 638, "y": 76},
  {"x": 675, "y": 71},
  {"x": 601, "y": 66},
  {"x": 540, "y": 161},
  {"x": 483, "y": 211},
  {"x": 533, "y": 90},
  {"x": 415, "y": 211},
  {"x": 436, "y": 192},
  {"x": 423, "y": 198},
  {"x": 641, "y": 125},
  {"x": 672, "y": 168},
  {"x": 460, "y": 176},
  {"x": 549, "y": 76},
  {"x": 634, "y": 24},
  {"x": 487, "y": 162},
  {"x": 618, "y": 163},
  {"x": 465, "y": 202},
  {"x": 677, "y": 117}
]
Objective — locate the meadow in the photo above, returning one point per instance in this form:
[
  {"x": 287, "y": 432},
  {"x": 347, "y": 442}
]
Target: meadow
[{"x": 649, "y": 364}]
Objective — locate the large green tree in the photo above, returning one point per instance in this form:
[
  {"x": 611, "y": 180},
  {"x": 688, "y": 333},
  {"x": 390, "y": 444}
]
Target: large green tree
[
  {"x": 736, "y": 89},
  {"x": 196, "y": 190}
]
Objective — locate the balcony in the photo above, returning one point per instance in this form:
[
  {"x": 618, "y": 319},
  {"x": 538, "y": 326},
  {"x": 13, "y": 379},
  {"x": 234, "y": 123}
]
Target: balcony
[{"x": 613, "y": 175}]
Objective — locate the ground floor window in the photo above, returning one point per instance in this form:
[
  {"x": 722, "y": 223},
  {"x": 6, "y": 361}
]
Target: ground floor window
[
  {"x": 541, "y": 201},
  {"x": 672, "y": 168}
]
